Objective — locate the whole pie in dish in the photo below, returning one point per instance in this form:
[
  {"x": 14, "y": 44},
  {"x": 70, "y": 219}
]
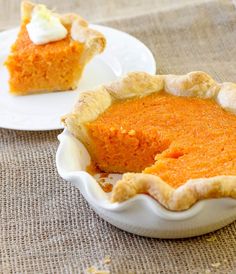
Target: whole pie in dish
[
  {"x": 173, "y": 137},
  {"x": 51, "y": 51}
]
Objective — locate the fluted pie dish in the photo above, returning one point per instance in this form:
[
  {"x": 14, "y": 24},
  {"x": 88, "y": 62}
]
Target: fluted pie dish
[{"x": 172, "y": 138}]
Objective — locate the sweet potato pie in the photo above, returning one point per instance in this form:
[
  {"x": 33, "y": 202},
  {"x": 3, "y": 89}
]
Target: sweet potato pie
[
  {"x": 173, "y": 137},
  {"x": 56, "y": 64}
]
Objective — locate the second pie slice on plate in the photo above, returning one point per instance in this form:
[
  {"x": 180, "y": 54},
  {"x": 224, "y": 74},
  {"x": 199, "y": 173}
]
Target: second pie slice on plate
[
  {"x": 172, "y": 137},
  {"x": 51, "y": 51}
]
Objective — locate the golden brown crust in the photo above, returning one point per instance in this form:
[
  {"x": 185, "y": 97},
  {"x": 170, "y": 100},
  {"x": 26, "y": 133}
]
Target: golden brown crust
[
  {"x": 26, "y": 10},
  {"x": 194, "y": 84},
  {"x": 174, "y": 199},
  {"x": 90, "y": 105},
  {"x": 137, "y": 84}
]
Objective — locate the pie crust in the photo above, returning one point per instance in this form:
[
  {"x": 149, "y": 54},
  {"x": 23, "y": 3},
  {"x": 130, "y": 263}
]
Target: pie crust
[{"x": 194, "y": 84}]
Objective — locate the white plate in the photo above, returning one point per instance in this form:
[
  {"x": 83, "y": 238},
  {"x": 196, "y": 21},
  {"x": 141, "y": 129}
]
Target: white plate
[
  {"x": 123, "y": 54},
  {"x": 141, "y": 215}
]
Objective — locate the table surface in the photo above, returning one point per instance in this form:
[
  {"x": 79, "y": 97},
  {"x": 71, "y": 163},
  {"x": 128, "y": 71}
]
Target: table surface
[
  {"x": 92, "y": 10},
  {"x": 46, "y": 226}
]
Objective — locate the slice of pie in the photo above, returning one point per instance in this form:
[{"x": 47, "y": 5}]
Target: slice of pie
[
  {"x": 51, "y": 51},
  {"x": 173, "y": 137}
]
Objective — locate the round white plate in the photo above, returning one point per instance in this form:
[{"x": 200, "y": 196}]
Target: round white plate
[
  {"x": 141, "y": 215},
  {"x": 123, "y": 54}
]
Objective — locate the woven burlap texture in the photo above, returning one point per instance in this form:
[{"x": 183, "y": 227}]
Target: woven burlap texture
[{"x": 46, "y": 225}]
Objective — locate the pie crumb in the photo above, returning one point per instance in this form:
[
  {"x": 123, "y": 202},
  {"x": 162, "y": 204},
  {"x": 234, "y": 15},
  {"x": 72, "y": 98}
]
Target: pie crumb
[
  {"x": 211, "y": 239},
  {"x": 132, "y": 132},
  {"x": 216, "y": 265},
  {"x": 106, "y": 186},
  {"x": 107, "y": 259},
  {"x": 123, "y": 131},
  {"x": 208, "y": 271},
  {"x": 93, "y": 270},
  {"x": 103, "y": 175}
]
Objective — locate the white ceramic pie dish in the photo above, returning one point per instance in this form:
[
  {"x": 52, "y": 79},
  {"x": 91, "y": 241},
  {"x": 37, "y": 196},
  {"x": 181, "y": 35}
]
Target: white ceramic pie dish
[{"x": 141, "y": 215}]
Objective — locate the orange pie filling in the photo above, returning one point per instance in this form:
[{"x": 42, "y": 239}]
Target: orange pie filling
[
  {"x": 175, "y": 138},
  {"x": 54, "y": 66}
]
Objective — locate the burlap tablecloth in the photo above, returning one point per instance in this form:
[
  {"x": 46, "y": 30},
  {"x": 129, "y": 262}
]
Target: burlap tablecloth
[{"x": 47, "y": 227}]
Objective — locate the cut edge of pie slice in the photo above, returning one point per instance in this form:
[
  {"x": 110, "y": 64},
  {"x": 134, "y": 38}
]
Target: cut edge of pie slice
[
  {"x": 92, "y": 104},
  {"x": 67, "y": 62}
]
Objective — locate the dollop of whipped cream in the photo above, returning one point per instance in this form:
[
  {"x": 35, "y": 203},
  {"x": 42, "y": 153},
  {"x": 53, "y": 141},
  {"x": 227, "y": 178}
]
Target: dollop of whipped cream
[{"x": 45, "y": 27}]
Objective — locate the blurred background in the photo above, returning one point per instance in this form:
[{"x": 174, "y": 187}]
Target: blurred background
[{"x": 105, "y": 9}]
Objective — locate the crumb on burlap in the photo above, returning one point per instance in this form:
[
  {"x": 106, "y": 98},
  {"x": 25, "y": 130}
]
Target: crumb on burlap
[
  {"x": 93, "y": 270},
  {"x": 107, "y": 259},
  {"x": 211, "y": 239},
  {"x": 216, "y": 265}
]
